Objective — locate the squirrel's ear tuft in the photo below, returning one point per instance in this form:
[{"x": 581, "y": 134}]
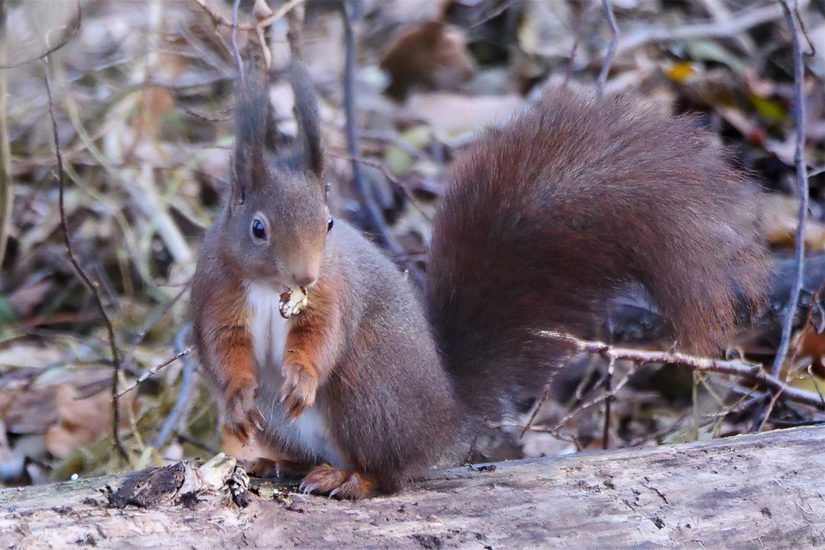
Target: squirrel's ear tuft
[
  {"x": 252, "y": 111},
  {"x": 306, "y": 113}
]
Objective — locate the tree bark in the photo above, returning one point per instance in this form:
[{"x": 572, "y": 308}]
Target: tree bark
[{"x": 747, "y": 491}]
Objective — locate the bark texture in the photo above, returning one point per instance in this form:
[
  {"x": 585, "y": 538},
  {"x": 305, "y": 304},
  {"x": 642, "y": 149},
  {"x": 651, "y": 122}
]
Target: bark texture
[{"x": 759, "y": 490}]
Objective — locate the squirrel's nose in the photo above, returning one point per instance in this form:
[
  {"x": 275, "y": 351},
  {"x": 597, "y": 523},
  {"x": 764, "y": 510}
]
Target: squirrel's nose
[{"x": 305, "y": 279}]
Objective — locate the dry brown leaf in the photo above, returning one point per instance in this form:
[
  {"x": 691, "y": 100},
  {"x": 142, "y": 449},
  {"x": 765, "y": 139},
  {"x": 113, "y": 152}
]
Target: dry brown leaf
[
  {"x": 83, "y": 421},
  {"x": 779, "y": 221},
  {"x": 810, "y": 344}
]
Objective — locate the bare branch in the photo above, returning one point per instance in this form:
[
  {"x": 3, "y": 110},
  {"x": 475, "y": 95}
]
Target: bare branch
[
  {"x": 801, "y": 188},
  {"x": 493, "y": 13},
  {"x": 738, "y": 23},
  {"x": 751, "y": 371},
  {"x": 396, "y": 183},
  {"x": 279, "y": 13},
  {"x": 609, "y": 391},
  {"x": 218, "y": 19},
  {"x": 116, "y": 362},
  {"x": 601, "y": 398},
  {"x": 184, "y": 392},
  {"x": 374, "y": 216},
  {"x": 154, "y": 370},
  {"x": 6, "y": 184},
  {"x": 51, "y": 49}
]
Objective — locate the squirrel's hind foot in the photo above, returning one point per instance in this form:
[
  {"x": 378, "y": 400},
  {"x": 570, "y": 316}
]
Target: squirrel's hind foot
[{"x": 338, "y": 483}]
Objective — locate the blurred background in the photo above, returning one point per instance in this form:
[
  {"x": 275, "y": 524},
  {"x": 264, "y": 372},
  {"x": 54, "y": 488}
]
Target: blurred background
[{"x": 142, "y": 100}]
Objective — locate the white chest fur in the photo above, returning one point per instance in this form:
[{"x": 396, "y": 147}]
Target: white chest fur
[
  {"x": 308, "y": 434},
  {"x": 267, "y": 327}
]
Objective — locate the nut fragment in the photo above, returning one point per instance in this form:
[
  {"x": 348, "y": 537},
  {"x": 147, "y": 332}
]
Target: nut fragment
[{"x": 292, "y": 302}]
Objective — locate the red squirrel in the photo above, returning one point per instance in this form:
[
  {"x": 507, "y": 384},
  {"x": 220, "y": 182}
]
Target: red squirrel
[{"x": 541, "y": 221}]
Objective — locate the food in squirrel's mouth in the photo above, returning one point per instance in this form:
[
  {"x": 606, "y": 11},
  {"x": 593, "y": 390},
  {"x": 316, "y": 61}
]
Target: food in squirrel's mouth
[{"x": 292, "y": 302}]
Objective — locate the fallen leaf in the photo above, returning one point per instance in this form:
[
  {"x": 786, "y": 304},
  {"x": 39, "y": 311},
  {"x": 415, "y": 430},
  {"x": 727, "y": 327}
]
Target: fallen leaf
[
  {"x": 680, "y": 72},
  {"x": 779, "y": 220},
  {"x": 83, "y": 421}
]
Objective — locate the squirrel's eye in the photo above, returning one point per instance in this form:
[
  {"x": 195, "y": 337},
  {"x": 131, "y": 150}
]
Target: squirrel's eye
[
  {"x": 330, "y": 223},
  {"x": 258, "y": 229}
]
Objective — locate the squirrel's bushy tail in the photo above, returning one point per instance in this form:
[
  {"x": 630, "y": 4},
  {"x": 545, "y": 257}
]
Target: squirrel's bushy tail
[{"x": 546, "y": 218}]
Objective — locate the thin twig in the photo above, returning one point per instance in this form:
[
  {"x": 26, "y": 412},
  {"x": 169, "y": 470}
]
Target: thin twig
[
  {"x": 205, "y": 118},
  {"x": 808, "y": 321},
  {"x": 184, "y": 391},
  {"x": 375, "y": 218},
  {"x": 771, "y": 405},
  {"x": 116, "y": 363},
  {"x": 154, "y": 370},
  {"x": 211, "y": 449},
  {"x": 545, "y": 396},
  {"x": 158, "y": 315},
  {"x": 720, "y": 12},
  {"x": 493, "y": 13},
  {"x": 51, "y": 49},
  {"x": 751, "y": 371},
  {"x": 801, "y": 189},
  {"x": 555, "y": 431},
  {"x": 6, "y": 183},
  {"x": 218, "y": 19},
  {"x": 279, "y": 13},
  {"x": 396, "y": 183},
  {"x": 738, "y": 23},
  {"x": 804, "y": 30},
  {"x": 608, "y": 379},
  {"x": 604, "y": 397},
  {"x": 611, "y": 47},
  {"x": 810, "y": 373}
]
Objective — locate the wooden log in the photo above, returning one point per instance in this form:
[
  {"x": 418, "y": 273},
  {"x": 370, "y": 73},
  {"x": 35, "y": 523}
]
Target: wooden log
[{"x": 765, "y": 490}]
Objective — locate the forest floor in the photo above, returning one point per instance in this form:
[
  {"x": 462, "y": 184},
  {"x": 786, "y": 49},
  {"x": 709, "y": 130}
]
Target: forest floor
[{"x": 142, "y": 104}]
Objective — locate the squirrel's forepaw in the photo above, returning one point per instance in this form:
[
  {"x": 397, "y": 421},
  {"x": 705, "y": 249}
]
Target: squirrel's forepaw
[
  {"x": 337, "y": 483},
  {"x": 299, "y": 389},
  {"x": 243, "y": 418}
]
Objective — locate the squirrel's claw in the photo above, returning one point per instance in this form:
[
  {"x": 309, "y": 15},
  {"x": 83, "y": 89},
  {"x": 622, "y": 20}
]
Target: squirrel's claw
[
  {"x": 337, "y": 483},
  {"x": 307, "y": 488}
]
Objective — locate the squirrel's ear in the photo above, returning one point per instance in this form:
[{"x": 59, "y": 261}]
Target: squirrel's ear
[
  {"x": 306, "y": 113},
  {"x": 252, "y": 111}
]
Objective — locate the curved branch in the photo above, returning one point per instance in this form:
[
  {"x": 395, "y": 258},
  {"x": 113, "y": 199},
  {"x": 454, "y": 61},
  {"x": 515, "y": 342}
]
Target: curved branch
[
  {"x": 50, "y": 50},
  {"x": 751, "y": 371}
]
